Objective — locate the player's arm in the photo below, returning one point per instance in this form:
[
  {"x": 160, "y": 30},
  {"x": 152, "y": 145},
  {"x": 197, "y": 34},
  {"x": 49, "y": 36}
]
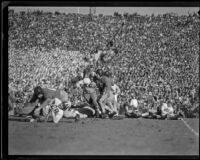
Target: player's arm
[
  {"x": 96, "y": 76},
  {"x": 117, "y": 90},
  {"x": 46, "y": 102},
  {"x": 79, "y": 84},
  {"x": 127, "y": 111},
  {"x": 33, "y": 98}
]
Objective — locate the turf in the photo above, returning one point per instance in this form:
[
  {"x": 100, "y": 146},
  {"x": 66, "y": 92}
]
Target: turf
[{"x": 104, "y": 137}]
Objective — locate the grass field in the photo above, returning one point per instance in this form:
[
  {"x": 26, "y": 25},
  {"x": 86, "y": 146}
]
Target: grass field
[{"x": 104, "y": 137}]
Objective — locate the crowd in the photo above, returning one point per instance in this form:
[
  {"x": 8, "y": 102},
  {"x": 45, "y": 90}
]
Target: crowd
[{"x": 157, "y": 57}]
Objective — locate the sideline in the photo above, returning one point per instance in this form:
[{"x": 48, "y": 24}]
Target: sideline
[{"x": 192, "y": 130}]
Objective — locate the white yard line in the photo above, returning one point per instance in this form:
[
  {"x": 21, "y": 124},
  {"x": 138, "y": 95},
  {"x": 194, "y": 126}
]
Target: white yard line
[{"x": 191, "y": 129}]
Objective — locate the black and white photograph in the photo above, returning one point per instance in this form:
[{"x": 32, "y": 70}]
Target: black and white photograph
[{"x": 103, "y": 80}]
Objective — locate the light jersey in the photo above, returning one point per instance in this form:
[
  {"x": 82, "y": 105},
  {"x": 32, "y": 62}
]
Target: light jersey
[
  {"x": 167, "y": 110},
  {"x": 132, "y": 106},
  {"x": 79, "y": 84},
  {"x": 134, "y": 103},
  {"x": 57, "y": 114},
  {"x": 57, "y": 102},
  {"x": 115, "y": 89}
]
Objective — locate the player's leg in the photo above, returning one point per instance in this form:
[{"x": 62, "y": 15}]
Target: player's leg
[
  {"x": 95, "y": 104},
  {"x": 87, "y": 110},
  {"x": 101, "y": 102}
]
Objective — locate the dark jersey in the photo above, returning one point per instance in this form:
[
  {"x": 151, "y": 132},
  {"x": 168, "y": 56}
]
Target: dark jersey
[
  {"x": 87, "y": 72},
  {"x": 98, "y": 83},
  {"x": 107, "y": 83},
  {"x": 50, "y": 94}
]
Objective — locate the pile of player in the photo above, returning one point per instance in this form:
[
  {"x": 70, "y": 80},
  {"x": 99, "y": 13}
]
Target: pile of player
[{"x": 100, "y": 100}]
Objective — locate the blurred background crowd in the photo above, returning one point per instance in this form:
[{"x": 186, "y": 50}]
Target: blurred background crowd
[{"x": 157, "y": 57}]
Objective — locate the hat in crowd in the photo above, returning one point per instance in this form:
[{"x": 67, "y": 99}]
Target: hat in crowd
[{"x": 86, "y": 81}]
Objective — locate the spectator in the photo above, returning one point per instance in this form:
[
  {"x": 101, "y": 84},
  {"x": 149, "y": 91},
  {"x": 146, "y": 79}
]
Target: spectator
[{"x": 153, "y": 52}]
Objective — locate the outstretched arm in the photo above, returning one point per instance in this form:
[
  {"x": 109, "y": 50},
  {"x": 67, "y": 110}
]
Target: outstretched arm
[{"x": 118, "y": 90}]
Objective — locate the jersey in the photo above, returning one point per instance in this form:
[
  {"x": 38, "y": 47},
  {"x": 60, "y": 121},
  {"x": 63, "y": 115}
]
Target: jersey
[
  {"x": 107, "y": 83},
  {"x": 115, "y": 89},
  {"x": 130, "y": 107},
  {"x": 51, "y": 94},
  {"x": 167, "y": 110}
]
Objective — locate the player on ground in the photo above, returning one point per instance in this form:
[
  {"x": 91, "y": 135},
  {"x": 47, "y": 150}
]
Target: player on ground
[{"x": 45, "y": 96}]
